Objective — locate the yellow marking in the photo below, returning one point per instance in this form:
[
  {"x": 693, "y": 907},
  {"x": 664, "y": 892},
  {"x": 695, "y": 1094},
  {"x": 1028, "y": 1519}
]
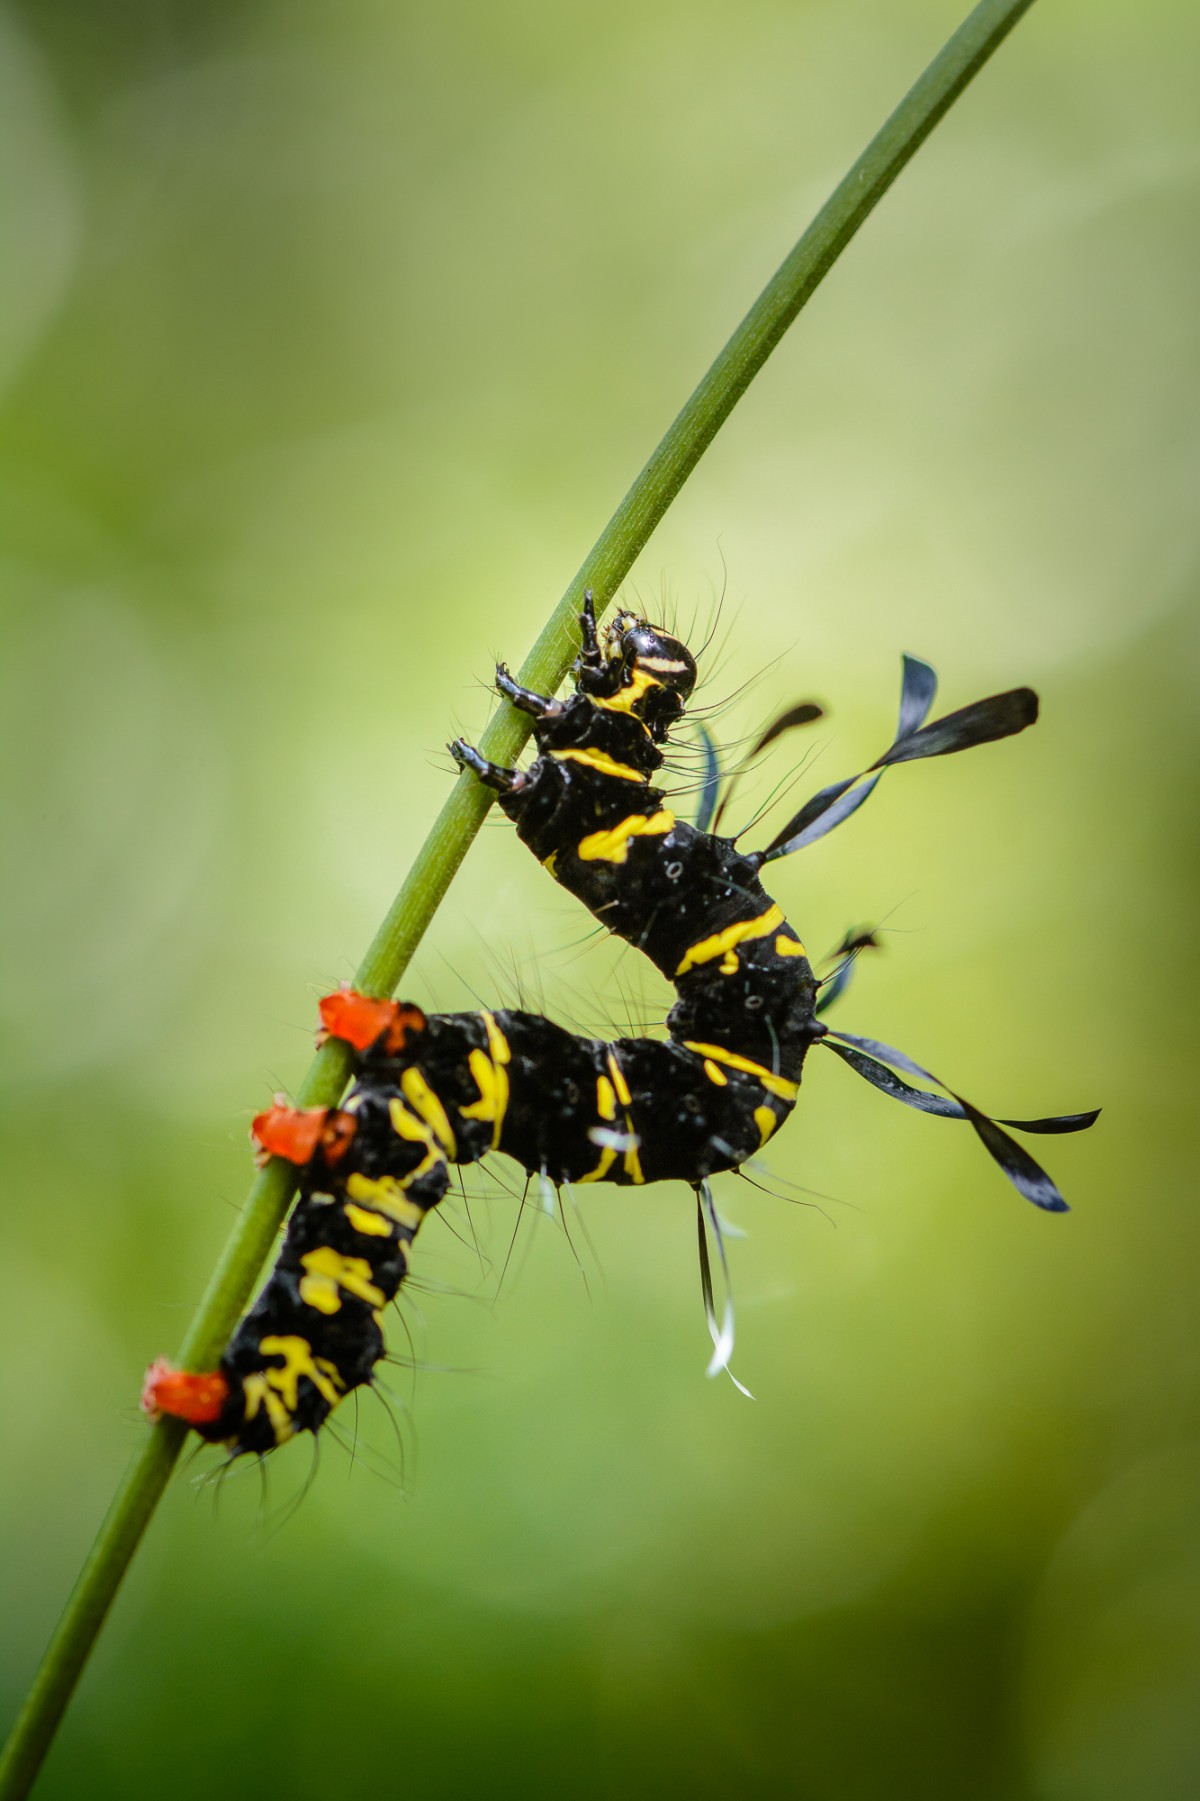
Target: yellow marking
[
  {"x": 277, "y": 1391},
  {"x": 613, "y": 846},
  {"x": 498, "y": 1044},
  {"x": 729, "y": 963},
  {"x": 551, "y": 864},
  {"x": 406, "y": 1125},
  {"x": 299, "y": 1361},
  {"x": 492, "y": 1083},
  {"x": 607, "y": 1094},
  {"x": 602, "y": 763},
  {"x": 766, "y": 1122},
  {"x": 721, "y": 943},
  {"x": 329, "y": 1273},
  {"x": 386, "y": 1195},
  {"x": 633, "y": 1168},
  {"x": 607, "y": 1158},
  {"x": 258, "y": 1394},
  {"x": 491, "y": 1079},
  {"x": 715, "y": 1073},
  {"x": 423, "y": 1100},
  {"x": 637, "y": 686},
  {"x": 371, "y": 1225},
  {"x": 618, "y": 1079},
  {"x": 668, "y": 665},
  {"x": 789, "y": 947},
  {"x": 787, "y": 1091}
]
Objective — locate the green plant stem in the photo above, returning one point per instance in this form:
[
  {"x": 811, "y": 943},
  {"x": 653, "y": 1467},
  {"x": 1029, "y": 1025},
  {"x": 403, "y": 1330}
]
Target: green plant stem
[{"x": 603, "y": 570}]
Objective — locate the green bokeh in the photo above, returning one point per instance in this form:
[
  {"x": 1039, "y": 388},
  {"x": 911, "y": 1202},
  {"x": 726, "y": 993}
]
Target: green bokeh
[{"x": 330, "y": 334}]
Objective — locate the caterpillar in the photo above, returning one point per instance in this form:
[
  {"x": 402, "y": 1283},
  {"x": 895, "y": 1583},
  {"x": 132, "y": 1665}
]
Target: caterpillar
[
  {"x": 369, "y": 1172},
  {"x": 432, "y": 1090}
]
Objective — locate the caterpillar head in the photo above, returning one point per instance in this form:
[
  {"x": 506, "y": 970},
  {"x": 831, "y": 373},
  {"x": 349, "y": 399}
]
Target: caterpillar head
[{"x": 659, "y": 671}]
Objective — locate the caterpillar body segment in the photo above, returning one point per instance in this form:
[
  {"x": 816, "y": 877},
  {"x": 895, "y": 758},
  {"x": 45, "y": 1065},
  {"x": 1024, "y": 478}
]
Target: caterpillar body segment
[
  {"x": 440, "y": 1089},
  {"x": 315, "y": 1332},
  {"x": 566, "y": 1107},
  {"x": 575, "y": 1109},
  {"x": 691, "y": 899}
]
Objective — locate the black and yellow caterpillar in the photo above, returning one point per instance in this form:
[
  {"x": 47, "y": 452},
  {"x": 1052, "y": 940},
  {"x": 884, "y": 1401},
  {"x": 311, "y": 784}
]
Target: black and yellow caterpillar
[{"x": 433, "y": 1090}]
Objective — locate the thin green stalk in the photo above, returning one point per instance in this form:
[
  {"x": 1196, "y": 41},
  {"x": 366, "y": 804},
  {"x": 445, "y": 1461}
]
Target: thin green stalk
[{"x": 605, "y": 567}]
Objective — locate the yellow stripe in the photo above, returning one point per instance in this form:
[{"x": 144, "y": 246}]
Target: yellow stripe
[
  {"x": 406, "y": 1125},
  {"x": 618, "y": 1079},
  {"x": 601, "y": 762},
  {"x": 721, "y": 943},
  {"x": 766, "y": 1122},
  {"x": 423, "y": 1100},
  {"x": 638, "y": 684},
  {"x": 371, "y": 1225},
  {"x": 299, "y": 1361},
  {"x": 633, "y": 1167},
  {"x": 328, "y": 1273},
  {"x": 257, "y": 1393},
  {"x": 789, "y": 947},
  {"x": 607, "y": 1158},
  {"x": 491, "y": 1079},
  {"x": 498, "y": 1044},
  {"x": 386, "y": 1195},
  {"x": 607, "y": 1095},
  {"x": 715, "y": 1074},
  {"x": 277, "y": 1390},
  {"x": 787, "y": 1091},
  {"x": 613, "y": 846}
]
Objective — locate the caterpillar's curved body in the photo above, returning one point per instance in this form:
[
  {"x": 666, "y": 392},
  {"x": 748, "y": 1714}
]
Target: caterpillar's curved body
[
  {"x": 448, "y": 1088},
  {"x": 691, "y": 901},
  {"x": 573, "y": 1109},
  {"x": 371, "y": 1170}
]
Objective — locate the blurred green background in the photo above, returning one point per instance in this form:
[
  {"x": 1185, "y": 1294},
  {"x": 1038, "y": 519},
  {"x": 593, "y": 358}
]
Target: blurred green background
[{"x": 331, "y": 332}]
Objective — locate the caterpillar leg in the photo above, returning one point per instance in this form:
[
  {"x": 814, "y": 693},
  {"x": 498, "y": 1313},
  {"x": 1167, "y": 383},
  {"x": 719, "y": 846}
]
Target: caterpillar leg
[
  {"x": 542, "y": 706},
  {"x": 492, "y": 775},
  {"x": 590, "y": 656}
]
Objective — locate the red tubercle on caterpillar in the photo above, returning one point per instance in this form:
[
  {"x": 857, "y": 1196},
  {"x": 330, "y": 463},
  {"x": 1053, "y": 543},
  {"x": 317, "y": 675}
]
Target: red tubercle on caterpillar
[
  {"x": 362, "y": 1021},
  {"x": 292, "y": 1133},
  {"x": 297, "y": 1134},
  {"x": 198, "y": 1399}
]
